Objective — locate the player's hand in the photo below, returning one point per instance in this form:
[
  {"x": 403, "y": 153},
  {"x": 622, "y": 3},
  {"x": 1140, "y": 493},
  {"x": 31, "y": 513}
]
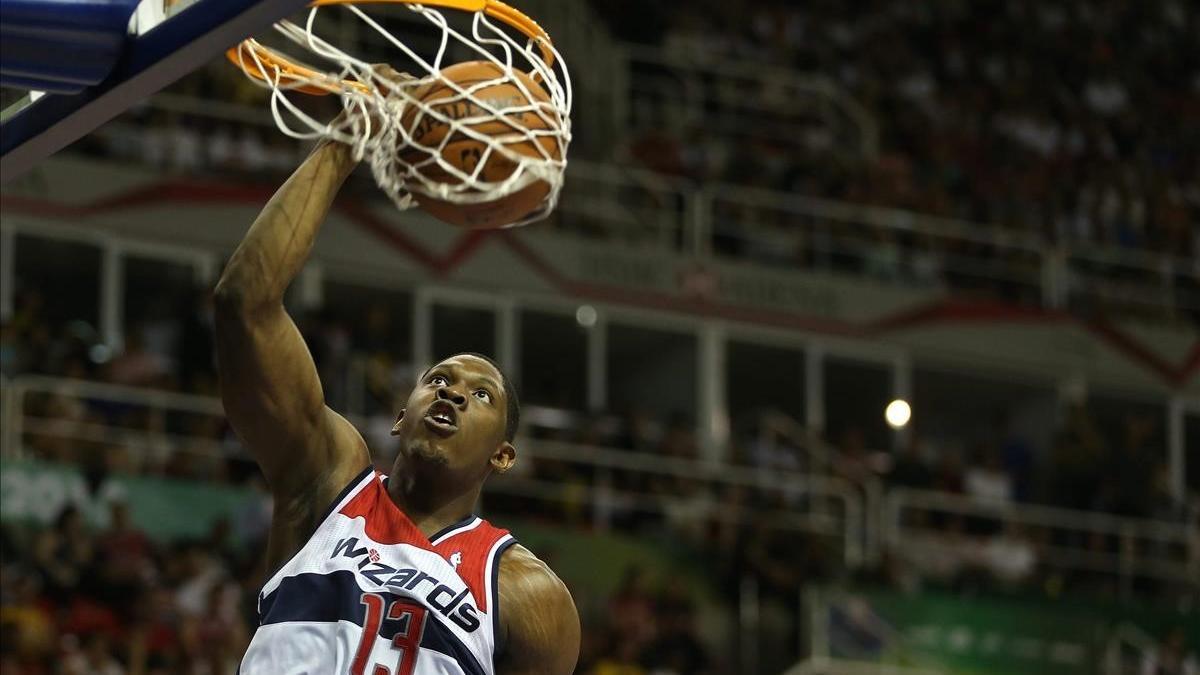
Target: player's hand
[{"x": 389, "y": 80}]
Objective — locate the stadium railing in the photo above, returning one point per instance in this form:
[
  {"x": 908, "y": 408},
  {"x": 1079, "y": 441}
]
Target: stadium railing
[
  {"x": 817, "y": 504},
  {"x": 19, "y": 423},
  {"x": 603, "y": 484},
  {"x": 810, "y": 502},
  {"x": 681, "y": 88},
  {"x": 1126, "y": 548},
  {"x": 736, "y": 223}
]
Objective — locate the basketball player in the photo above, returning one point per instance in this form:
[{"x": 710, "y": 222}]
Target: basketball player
[{"x": 375, "y": 575}]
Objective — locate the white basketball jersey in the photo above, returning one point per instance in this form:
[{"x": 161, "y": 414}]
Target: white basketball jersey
[{"x": 370, "y": 595}]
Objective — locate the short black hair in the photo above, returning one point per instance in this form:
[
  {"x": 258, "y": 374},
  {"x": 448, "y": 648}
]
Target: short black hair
[{"x": 512, "y": 418}]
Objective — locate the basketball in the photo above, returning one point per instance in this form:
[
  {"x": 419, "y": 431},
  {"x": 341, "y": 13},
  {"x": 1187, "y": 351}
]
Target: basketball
[{"x": 465, "y": 153}]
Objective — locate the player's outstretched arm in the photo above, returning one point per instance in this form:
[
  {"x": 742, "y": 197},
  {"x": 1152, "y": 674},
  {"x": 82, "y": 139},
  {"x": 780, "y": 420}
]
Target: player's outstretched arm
[
  {"x": 269, "y": 383},
  {"x": 538, "y": 618}
]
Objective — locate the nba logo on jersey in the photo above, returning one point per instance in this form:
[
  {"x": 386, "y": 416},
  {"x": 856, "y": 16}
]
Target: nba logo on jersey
[{"x": 369, "y": 594}]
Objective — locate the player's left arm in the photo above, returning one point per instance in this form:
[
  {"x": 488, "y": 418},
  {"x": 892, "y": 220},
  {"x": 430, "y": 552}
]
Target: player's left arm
[{"x": 538, "y": 618}]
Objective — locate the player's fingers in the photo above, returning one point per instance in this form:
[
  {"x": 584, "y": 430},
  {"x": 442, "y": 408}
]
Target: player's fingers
[{"x": 390, "y": 75}]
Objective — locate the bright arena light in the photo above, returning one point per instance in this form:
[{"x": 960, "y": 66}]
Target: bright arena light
[
  {"x": 898, "y": 413},
  {"x": 586, "y": 316}
]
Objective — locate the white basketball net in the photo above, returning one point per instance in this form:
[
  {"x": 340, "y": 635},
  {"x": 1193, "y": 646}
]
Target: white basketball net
[{"x": 373, "y": 124}]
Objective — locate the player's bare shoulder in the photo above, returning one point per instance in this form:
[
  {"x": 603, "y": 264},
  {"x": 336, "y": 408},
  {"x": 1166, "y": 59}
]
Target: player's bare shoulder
[{"x": 539, "y": 622}]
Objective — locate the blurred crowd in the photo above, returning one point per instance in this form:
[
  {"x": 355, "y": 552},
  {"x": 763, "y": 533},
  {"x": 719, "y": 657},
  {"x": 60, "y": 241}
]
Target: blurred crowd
[
  {"x": 1070, "y": 120},
  {"x": 83, "y": 600},
  {"x": 1063, "y": 128},
  {"x": 77, "y": 599},
  {"x": 1090, "y": 465},
  {"x": 646, "y": 626}
]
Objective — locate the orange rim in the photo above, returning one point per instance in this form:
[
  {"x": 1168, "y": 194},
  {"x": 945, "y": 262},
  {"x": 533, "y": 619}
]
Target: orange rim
[{"x": 243, "y": 55}]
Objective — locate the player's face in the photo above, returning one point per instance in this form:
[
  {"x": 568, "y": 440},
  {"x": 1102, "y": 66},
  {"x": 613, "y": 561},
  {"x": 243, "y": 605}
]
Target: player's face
[{"x": 456, "y": 416}]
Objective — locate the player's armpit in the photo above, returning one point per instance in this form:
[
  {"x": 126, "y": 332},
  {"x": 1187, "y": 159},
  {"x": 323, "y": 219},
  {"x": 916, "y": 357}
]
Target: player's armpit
[{"x": 538, "y": 618}]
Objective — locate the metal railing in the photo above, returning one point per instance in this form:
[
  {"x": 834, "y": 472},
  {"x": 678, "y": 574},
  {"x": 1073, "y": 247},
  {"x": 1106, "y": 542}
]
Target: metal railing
[
  {"x": 559, "y": 475},
  {"x": 1064, "y": 539},
  {"x": 804, "y": 500},
  {"x": 36, "y": 407},
  {"x": 163, "y": 421},
  {"x": 609, "y": 484},
  {"x": 795, "y": 232},
  {"x": 679, "y": 89},
  {"x": 157, "y": 424}
]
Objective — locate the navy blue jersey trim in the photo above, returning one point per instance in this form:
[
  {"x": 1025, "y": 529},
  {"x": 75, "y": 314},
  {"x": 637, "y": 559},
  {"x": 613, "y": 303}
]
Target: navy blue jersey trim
[
  {"x": 464, "y": 521},
  {"x": 438, "y": 638},
  {"x": 328, "y": 510},
  {"x": 498, "y": 638},
  {"x": 336, "y": 596},
  {"x": 345, "y": 491}
]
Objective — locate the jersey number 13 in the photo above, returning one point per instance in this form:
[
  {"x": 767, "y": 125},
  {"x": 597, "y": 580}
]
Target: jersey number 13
[{"x": 406, "y": 641}]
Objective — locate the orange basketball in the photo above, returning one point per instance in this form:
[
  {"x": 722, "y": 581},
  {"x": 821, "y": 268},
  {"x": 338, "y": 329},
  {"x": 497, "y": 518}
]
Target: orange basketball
[{"x": 464, "y": 153}]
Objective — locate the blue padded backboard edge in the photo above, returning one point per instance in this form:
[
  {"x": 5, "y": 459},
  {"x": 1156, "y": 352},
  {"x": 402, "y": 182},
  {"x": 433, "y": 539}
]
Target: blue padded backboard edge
[{"x": 164, "y": 54}]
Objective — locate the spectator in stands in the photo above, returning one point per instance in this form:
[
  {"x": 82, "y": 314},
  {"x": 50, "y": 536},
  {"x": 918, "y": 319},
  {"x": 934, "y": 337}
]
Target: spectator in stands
[
  {"x": 1017, "y": 458},
  {"x": 63, "y": 556},
  {"x": 783, "y": 561},
  {"x": 679, "y": 441},
  {"x": 933, "y": 555},
  {"x": 96, "y": 658},
  {"x": 910, "y": 468},
  {"x": 124, "y": 556},
  {"x": 1010, "y": 556},
  {"x": 219, "y": 632},
  {"x": 27, "y": 630},
  {"x": 772, "y": 447},
  {"x": 136, "y": 365},
  {"x": 11, "y": 350},
  {"x": 688, "y": 508},
  {"x": 619, "y": 658},
  {"x": 676, "y": 649},
  {"x": 948, "y": 474},
  {"x": 1172, "y": 657},
  {"x": 194, "y": 346},
  {"x": 1128, "y": 476},
  {"x": 631, "y": 610},
  {"x": 1075, "y": 460},
  {"x": 852, "y": 461},
  {"x": 986, "y": 480}
]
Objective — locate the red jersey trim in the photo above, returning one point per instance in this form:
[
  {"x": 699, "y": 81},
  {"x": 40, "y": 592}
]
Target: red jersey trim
[{"x": 468, "y": 549}]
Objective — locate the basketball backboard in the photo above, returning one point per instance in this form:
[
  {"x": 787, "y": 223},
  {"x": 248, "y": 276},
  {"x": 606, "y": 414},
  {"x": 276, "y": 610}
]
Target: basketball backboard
[{"x": 164, "y": 41}]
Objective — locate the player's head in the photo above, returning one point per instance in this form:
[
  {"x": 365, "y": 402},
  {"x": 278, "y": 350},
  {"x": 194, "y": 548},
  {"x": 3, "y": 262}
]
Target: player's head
[{"x": 461, "y": 416}]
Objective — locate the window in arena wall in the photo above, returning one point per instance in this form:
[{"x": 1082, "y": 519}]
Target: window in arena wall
[
  {"x": 652, "y": 373},
  {"x": 553, "y": 360},
  {"x": 362, "y": 342},
  {"x": 1128, "y": 423},
  {"x": 856, "y": 394},
  {"x": 161, "y": 300},
  {"x": 983, "y": 419},
  {"x": 762, "y": 378},
  {"x": 463, "y": 329},
  {"x": 61, "y": 278}
]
